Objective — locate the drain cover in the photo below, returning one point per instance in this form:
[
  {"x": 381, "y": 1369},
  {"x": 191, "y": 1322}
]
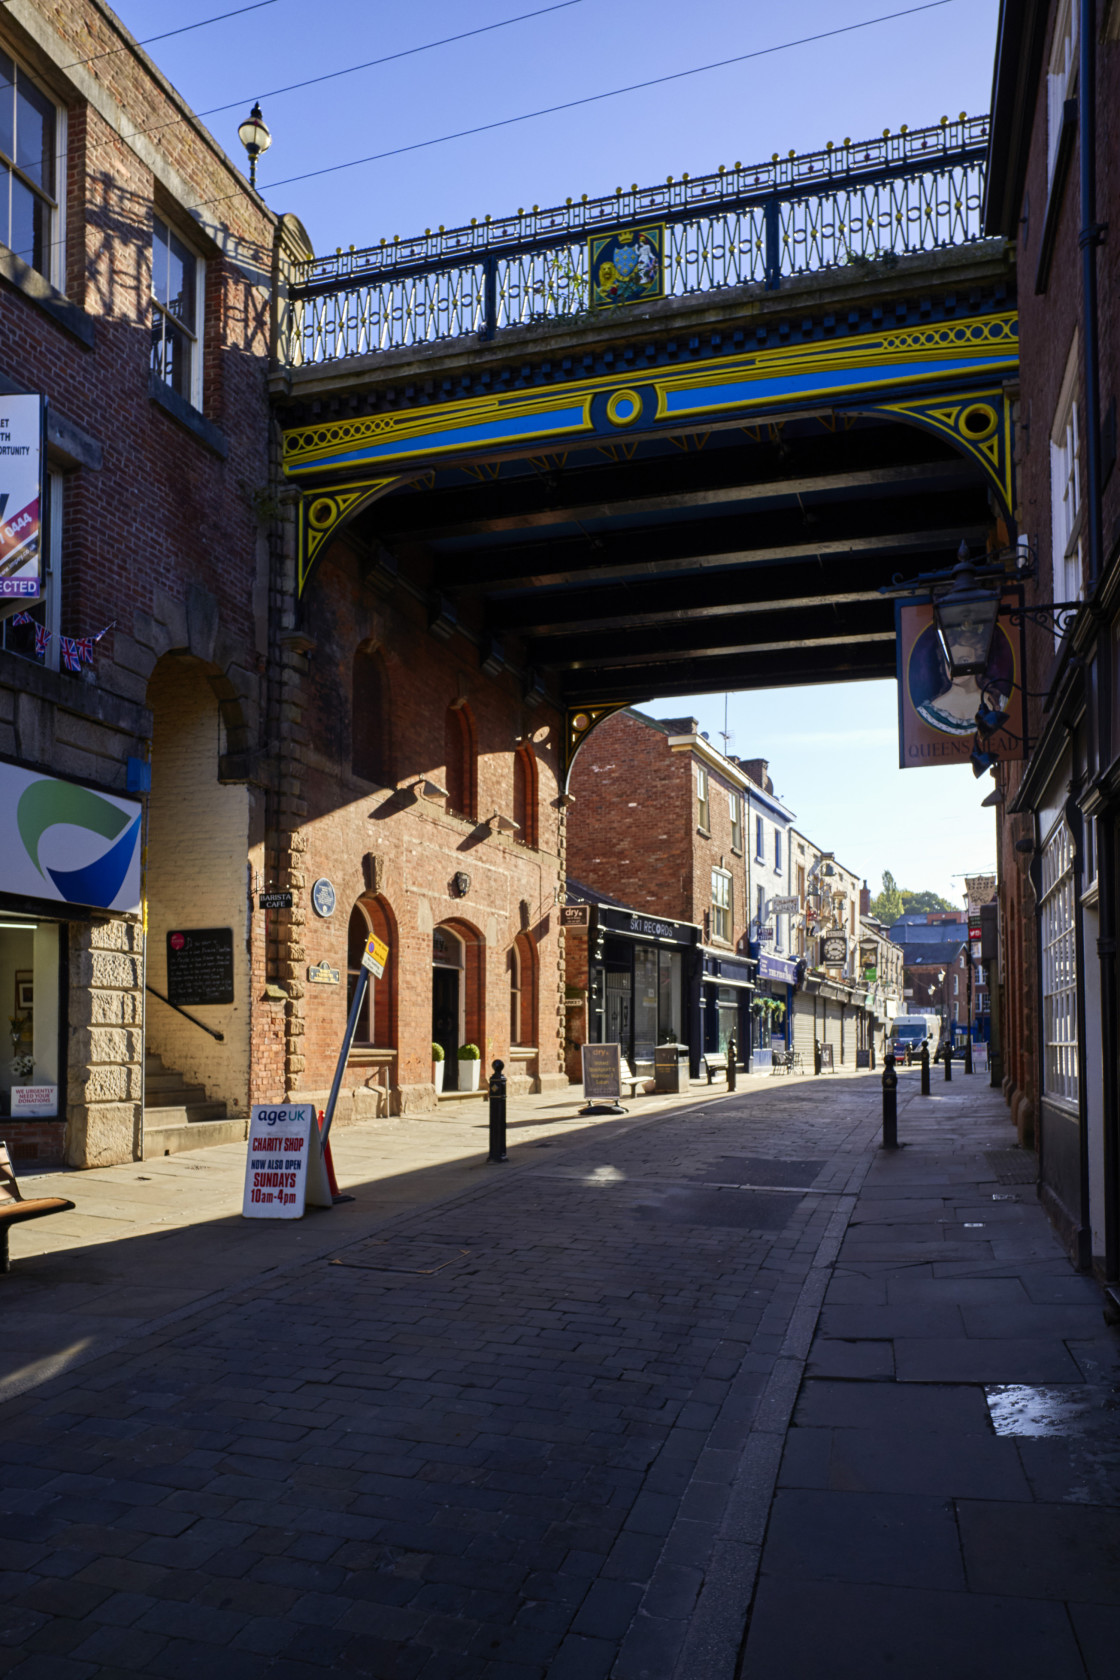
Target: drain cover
[
  {"x": 1012, "y": 1166},
  {"x": 394, "y": 1257}
]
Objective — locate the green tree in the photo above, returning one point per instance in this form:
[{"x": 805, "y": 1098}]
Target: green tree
[
  {"x": 925, "y": 901},
  {"x": 888, "y": 906}
]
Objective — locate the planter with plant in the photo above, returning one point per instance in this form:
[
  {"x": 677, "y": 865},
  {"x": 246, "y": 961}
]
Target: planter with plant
[
  {"x": 470, "y": 1064},
  {"x": 437, "y": 1067}
]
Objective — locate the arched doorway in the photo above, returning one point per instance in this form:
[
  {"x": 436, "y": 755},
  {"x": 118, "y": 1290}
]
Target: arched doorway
[{"x": 449, "y": 997}]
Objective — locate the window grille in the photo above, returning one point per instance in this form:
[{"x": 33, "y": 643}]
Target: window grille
[{"x": 1059, "y": 968}]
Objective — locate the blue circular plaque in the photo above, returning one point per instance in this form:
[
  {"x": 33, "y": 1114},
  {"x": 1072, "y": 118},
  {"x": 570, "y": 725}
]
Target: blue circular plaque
[{"x": 323, "y": 898}]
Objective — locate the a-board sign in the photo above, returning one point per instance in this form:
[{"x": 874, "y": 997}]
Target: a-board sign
[
  {"x": 828, "y": 1064},
  {"x": 322, "y": 974},
  {"x": 284, "y": 1169},
  {"x": 200, "y": 966},
  {"x": 375, "y": 956},
  {"x": 575, "y": 915},
  {"x": 602, "y": 1072},
  {"x": 274, "y": 900}
]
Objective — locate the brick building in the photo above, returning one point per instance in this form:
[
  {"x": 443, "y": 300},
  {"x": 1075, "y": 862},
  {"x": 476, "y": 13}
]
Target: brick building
[
  {"x": 658, "y": 825},
  {"x": 1053, "y": 187},
  {"x": 134, "y": 298}
]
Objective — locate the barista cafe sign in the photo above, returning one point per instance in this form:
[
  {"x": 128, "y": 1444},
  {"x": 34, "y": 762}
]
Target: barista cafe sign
[{"x": 68, "y": 844}]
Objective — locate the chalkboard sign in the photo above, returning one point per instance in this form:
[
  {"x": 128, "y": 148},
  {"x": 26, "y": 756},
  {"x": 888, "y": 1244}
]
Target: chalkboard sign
[
  {"x": 828, "y": 1065},
  {"x": 200, "y": 966}
]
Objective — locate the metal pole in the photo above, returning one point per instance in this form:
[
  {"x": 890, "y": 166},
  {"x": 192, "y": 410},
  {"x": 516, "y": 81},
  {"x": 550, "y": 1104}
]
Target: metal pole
[
  {"x": 497, "y": 1114},
  {"x": 968, "y": 1039},
  {"x": 351, "y": 1029},
  {"x": 925, "y": 1070},
  {"x": 732, "y": 1072},
  {"x": 890, "y": 1105},
  {"x": 948, "y": 1060}
]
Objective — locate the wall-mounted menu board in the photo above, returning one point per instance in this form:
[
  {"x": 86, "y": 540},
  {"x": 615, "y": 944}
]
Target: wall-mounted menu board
[{"x": 200, "y": 966}]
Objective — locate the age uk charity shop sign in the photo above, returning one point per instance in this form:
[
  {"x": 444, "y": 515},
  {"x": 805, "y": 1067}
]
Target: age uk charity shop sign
[{"x": 284, "y": 1169}]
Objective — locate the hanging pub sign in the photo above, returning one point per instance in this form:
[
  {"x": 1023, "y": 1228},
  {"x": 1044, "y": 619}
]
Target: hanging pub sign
[
  {"x": 274, "y": 900},
  {"x": 834, "y": 950},
  {"x": 785, "y": 906},
  {"x": 936, "y": 712},
  {"x": 627, "y": 267},
  {"x": 575, "y": 915},
  {"x": 21, "y": 497}
]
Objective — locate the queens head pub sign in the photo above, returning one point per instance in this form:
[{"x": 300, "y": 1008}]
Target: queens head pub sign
[{"x": 627, "y": 267}]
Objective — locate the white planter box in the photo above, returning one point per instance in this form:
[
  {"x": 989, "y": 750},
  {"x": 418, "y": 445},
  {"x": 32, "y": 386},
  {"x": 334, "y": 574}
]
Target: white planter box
[
  {"x": 468, "y": 1075},
  {"x": 437, "y": 1075}
]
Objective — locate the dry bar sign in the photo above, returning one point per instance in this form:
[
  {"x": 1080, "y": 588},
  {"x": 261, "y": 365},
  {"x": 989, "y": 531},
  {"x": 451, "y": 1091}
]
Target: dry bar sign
[
  {"x": 936, "y": 712},
  {"x": 284, "y": 1171},
  {"x": 21, "y": 475}
]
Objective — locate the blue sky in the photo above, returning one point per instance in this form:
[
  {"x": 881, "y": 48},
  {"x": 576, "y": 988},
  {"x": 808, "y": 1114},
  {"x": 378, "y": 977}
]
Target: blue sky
[{"x": 832, "y": 750}]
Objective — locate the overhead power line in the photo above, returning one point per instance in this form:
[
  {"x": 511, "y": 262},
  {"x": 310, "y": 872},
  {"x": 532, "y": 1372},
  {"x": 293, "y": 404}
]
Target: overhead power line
[
  {"x": 611, "y": 93},
  {"x": 370, "y": 63},
  {"x": 184, "y": 29}
]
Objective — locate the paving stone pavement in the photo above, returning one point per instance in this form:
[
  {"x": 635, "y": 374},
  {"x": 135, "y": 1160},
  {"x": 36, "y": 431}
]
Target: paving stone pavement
[{"x": 542, "y": 1424}]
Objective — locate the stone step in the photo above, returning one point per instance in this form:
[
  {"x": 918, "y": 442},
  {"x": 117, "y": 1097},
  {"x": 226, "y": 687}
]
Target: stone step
[
  {"x": 187, "y": 1132},
  {"x": 178, "y": 1095}
]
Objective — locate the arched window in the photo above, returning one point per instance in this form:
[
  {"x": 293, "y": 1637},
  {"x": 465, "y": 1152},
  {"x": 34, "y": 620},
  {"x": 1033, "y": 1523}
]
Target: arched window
[
  {"x": 525, "y": 794},
  {"x": 369, "y": 724},
  {"x": 461, "y": 764},
  {"x": 357, "y": 934},
  {"x": 522, "y": 991}
]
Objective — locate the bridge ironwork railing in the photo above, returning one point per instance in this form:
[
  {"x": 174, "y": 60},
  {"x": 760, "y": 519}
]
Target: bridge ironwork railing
[{"x": 915, "y": 191}]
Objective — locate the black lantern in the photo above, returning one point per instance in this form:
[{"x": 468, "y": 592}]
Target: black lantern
[
  {"x": 254, "y": 135},
  {"x": 966, "y": 621}
]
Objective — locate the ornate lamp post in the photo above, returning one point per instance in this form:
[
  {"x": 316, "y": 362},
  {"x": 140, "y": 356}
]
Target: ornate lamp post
[
  {"x": 966, "y": 620},
  {"x": 256, "y": 138}
]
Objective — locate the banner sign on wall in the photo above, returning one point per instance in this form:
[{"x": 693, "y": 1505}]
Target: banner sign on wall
[
  {"x": 937, "y": 713},
  {"x": 21, "y": 497},
  {"x": 68, "y": 845}
]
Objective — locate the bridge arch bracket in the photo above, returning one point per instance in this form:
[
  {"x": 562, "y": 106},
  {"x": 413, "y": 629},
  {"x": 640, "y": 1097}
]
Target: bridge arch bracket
[
  {"x": 978, "y": 423},
  {"x": 322, "y": 513}
]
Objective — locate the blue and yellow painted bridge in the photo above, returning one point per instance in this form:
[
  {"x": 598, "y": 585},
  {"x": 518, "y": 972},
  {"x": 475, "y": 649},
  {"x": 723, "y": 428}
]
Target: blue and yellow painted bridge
[{"x": 673, "y": 440}]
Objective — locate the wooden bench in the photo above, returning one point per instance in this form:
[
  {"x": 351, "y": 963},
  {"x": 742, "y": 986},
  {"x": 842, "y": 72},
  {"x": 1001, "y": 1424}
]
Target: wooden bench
[
  {"x": 14, "y": 1207},
  {"x": 714, "y": 1065}
]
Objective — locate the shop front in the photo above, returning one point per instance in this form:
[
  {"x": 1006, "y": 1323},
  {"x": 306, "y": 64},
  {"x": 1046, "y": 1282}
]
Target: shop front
[
  {"x": 772, "y": 1008},
  {"x": 640, "y": 980},
  {"x": 727, "y": 988},
  {"x": 71, "y": 875}
]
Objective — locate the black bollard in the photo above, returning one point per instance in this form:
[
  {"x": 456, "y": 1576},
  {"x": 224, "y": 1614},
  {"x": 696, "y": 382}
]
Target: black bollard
[
  {"x": 948, "y": 1059},
  {"x": 732, "y": 1070},
  {"x": 497, "y": 1114},
  {"x": 925, "y": 1070},
  {"x": 890, "y": 1105},
  {"x": 968, "y": 1054}
]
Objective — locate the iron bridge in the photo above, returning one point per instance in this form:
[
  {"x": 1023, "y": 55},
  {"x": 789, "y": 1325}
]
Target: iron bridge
[{"x": 700, "y": 490}]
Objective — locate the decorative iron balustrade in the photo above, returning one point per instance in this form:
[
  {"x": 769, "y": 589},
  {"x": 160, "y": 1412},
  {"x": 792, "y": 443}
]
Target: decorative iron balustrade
[{"x": 919, "y": 190}]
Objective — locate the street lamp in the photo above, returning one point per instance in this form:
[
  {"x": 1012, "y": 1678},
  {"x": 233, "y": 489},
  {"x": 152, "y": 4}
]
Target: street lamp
[
  {"x": 255, "y": 137},
  {"x": 966, "y": 620}
]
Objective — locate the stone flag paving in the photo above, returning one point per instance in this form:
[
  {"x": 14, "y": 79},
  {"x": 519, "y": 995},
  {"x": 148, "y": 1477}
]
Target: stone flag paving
[{"x": 723, "y": 1391}]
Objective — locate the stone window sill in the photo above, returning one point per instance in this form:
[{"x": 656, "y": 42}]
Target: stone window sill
[
  {"x": 68, "y": 315},
  {"x": 179, "y": 409}
]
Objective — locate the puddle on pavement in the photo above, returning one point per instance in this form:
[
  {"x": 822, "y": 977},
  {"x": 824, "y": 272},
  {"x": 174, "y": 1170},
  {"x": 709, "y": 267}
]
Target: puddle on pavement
[{"x": 1084, "y": 1409}]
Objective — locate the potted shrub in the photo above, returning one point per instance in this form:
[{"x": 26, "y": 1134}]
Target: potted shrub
[
  {"x": 437, "y": 1067},
  {"x": 470, "y": 1063}
]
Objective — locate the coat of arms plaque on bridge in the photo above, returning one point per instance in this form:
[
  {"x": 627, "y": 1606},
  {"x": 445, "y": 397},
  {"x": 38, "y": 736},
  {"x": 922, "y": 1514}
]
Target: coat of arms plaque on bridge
[{"x": 627, "y": 267}]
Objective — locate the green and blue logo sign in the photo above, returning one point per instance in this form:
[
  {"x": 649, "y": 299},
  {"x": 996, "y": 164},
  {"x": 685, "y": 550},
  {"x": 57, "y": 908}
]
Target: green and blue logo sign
[{"x": 67, "y": 844}]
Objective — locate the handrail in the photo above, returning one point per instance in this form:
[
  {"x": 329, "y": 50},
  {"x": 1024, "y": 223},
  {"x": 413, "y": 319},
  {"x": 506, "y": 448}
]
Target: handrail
[
  {"x": 918, "y": 190},
  {"x": 193, "y": 1019}
]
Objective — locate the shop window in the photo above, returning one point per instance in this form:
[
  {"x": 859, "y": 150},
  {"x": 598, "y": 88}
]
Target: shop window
[
  {"x": 369, "y": 723},
  {"x": 721, "y": 905},
  {"x": 45, "y": 614},
  {"x": 525, "y": 794},
  {"x": 461, "y": 761},
  {"x": 702, "y": 811},
  {"x": 29, "y": 982},
  {"x": 32, "y": 154},
  {"x": 669, "y": 1022},
  {"x": 736, "y": 804},
  {"x": 1059, "y": 968},
  {"x": 177, "y": 293},
  {"x": 1065, "y": 492}
]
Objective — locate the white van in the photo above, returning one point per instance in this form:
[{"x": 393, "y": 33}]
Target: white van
[{"x": 910, "y": 1032}]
